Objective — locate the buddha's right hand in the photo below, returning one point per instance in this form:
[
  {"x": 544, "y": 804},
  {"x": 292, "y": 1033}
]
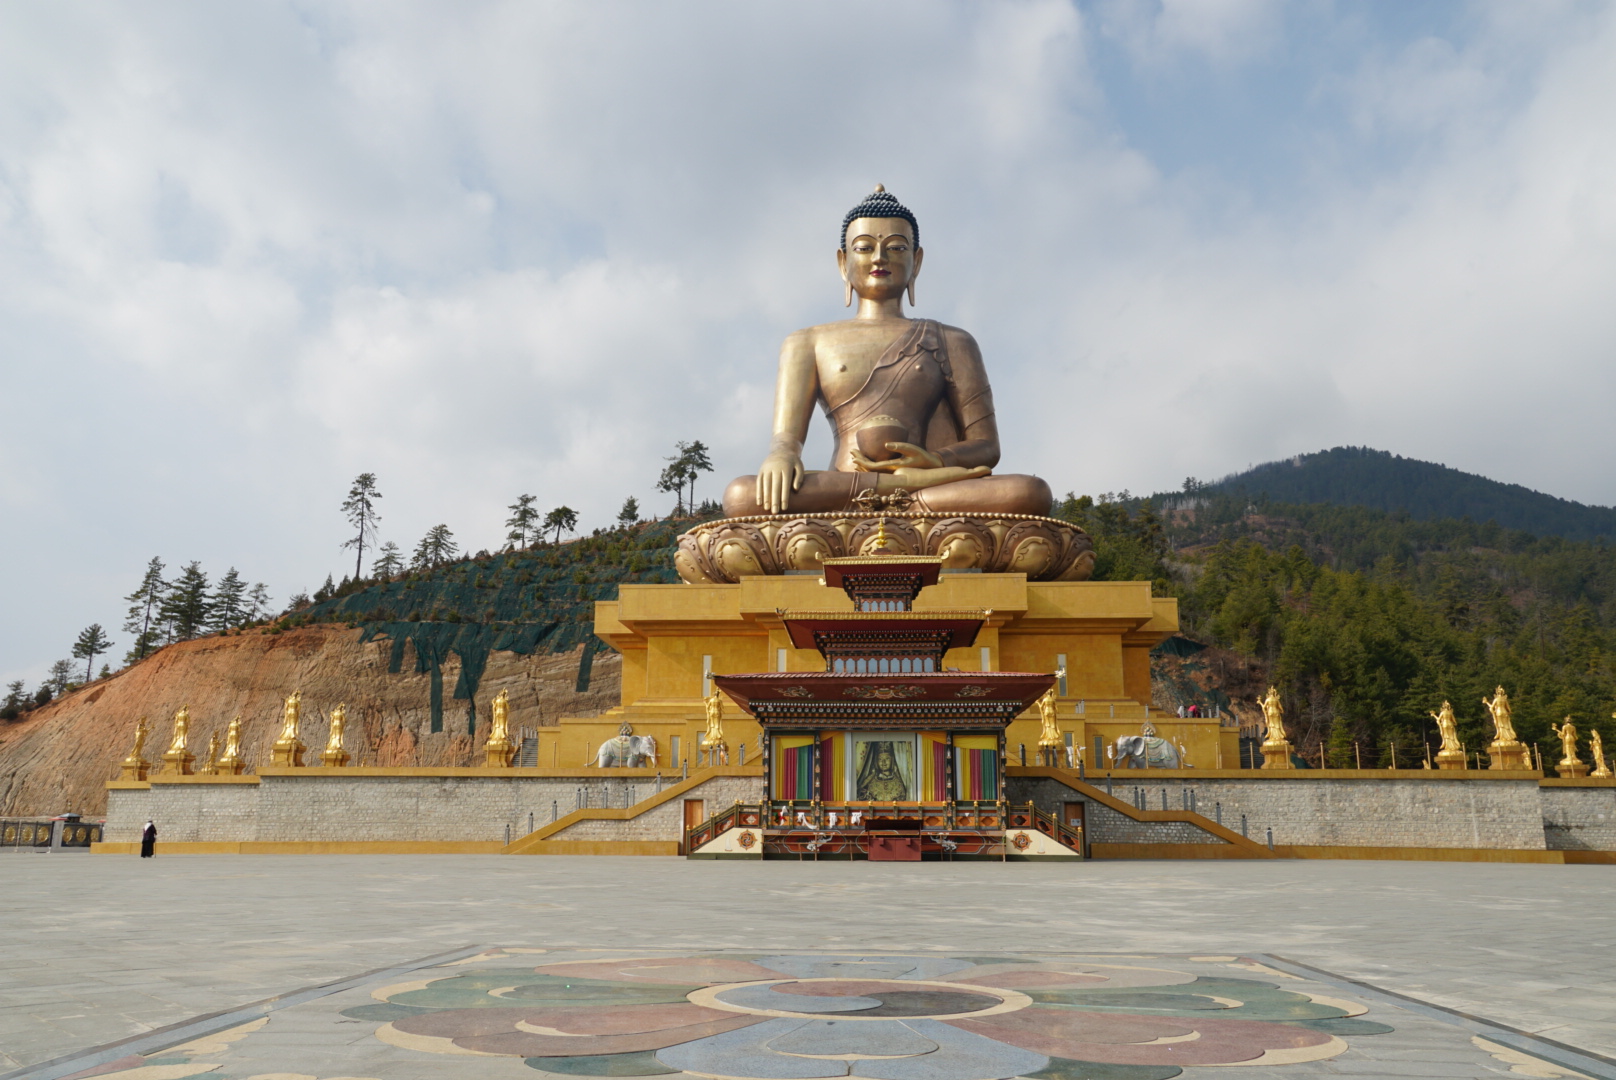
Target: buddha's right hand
[{"x": 778, "y": 476}]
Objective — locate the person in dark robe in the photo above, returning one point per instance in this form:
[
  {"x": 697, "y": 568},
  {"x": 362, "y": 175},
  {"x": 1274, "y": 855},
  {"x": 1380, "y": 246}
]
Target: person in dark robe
[{"x": 148, "y": 840}]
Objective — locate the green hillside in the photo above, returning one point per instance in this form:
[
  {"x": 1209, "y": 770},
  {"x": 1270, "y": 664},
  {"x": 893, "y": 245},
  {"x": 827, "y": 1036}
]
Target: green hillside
[
  {"x": 1359, "y": 476},
  {"x": 537, "y": 599},
  {"x": 1368, "y": 620}
]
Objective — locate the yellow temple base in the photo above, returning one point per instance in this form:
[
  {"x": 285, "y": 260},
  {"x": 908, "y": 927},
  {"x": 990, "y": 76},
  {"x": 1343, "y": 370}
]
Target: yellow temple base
[{"x": 673, "y": 637}]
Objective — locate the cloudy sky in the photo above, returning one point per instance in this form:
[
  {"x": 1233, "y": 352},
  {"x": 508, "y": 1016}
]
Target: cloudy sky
[{"x": 248, "y": 251}]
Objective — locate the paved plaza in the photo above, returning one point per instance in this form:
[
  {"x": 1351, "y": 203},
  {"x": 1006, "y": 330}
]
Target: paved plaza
[{"x": 412, "y": 967}]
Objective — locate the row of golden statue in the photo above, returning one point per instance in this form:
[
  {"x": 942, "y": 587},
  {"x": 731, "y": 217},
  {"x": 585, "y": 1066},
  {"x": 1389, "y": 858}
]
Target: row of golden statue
[
  {"x": 288, "y": 749},
  {"x": 1506, "y": 751}
]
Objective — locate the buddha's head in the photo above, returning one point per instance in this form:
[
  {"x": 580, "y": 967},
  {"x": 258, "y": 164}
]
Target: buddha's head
[{"x": 880, "y": 254}]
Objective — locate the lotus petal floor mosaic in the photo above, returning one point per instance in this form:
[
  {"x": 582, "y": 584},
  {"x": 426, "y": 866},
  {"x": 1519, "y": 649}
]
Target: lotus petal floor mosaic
[{"x": 519, "y": 1013}]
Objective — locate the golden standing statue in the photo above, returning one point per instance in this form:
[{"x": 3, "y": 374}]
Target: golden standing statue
[
  {"x": 334, "y": 756},
  {"x": 1276, "y": 749},
  {"x": 713, "y": 738},
  {"x": 1596, "y": 750},
  {"x": 210, "y": 764},
  {"x": 909, "y": 399},
  {"x": 288, "y": 749},
  {"x": 231, "y": 764},
  {"x": 1452, "y": 755},
  {"x": 136, "y": 767},
  {"x": 1506, "y": 751},
  {"x": 498, "y": 751},
  {"x": 1049, "y": 736},
  {"x": 177, "y": 761},
  {"x": 1570, "y": 765}
]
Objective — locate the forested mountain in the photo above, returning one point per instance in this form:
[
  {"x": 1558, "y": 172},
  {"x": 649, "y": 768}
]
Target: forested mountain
[
  {"x": 1359, "y": 476},
  {"x": 1368, "y": 620}
]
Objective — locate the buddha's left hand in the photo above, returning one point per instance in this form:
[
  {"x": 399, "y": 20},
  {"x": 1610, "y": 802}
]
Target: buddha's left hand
[
  {"x": 915, "y": 479},
  {"x": 909, "y": 456}
]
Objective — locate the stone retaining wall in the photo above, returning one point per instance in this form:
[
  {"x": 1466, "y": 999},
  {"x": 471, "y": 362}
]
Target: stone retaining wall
[
  {"x": 1352, "y": 812},
  {"x": 358, "y": 805},
  {"x": 1580, "y": 818}
]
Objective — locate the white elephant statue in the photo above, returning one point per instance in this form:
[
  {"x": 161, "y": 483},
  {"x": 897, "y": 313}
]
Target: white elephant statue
[
  {"x": 1146, "y": 752},
  {"x": 626, "y": 749}
]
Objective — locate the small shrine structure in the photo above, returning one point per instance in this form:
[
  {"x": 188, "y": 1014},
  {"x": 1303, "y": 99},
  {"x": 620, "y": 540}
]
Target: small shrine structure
[{"x": 887, "y": 753}]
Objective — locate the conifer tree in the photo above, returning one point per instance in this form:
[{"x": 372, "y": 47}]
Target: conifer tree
[
  {"x": 258, "y": 602},
  {"x": 360, "y": 509},
  {"x": 185, "y": 608},
  {"x": 559, "y": 519},
  {"x": 630, "y": 512},
  {"x": 436, "y": 548},
  {"x": 14, "y": 694},
  {"x": 92, "y": 642},
  {"x": 523, "y": 522},
  {"x": 389, "y": 562},
  {"x": 229, "y": 609},
  {"x": 60, "y": 674},
  {"x": 145, "y": 611}
]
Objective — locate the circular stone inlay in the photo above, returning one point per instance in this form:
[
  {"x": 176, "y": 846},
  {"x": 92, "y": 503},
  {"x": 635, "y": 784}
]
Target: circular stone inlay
[{"x": 860, "y": 999}]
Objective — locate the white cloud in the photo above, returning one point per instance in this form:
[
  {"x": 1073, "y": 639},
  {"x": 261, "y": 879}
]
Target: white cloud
[{"x": 247, "y": 253}]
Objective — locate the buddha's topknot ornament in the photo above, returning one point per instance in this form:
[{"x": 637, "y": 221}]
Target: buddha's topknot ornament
[{"x": 877, "y": 204}]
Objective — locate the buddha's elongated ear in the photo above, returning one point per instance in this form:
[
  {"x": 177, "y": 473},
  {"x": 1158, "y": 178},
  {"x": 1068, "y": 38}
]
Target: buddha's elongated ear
[
  {"x": 920, "y": 254},
  {"x": 847, "y": 285}
]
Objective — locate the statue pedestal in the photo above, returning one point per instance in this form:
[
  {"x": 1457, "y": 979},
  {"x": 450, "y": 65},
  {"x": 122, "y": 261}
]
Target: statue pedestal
[
  {"x": 229, "y": 767},
  {"x": 1277, "y": 755},
  {"x": 1572, "y": 770},
  {"x": 287, "y": 754},
  {"x": 335, "y": 759},
  {"x": 498, "y": 755},
  {"x": 1451, "y": 759},
  {"x": 725, "y": 551},
  {"x": 177, "y": 763},
  {"x": 134, "y": 769},
  {"x": 1508, "y": 755}
]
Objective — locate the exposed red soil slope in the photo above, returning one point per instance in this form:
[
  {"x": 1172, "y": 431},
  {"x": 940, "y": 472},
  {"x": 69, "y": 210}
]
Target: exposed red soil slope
[{"x": 56, "y": 758}]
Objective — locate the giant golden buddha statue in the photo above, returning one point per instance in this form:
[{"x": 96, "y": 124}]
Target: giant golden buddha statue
[
  {"x": 916, "y": 440},
  {"x": 909, "y": 398}
]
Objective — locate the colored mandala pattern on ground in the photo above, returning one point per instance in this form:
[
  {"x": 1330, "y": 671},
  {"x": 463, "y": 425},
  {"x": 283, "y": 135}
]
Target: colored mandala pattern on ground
[{"x": 804, "y": 1017}]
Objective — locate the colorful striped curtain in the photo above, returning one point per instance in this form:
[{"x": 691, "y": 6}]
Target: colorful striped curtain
[
  {"x": 933, "y": 766},
  {"x": 830, "y": 768},
  {"x": 794, "y": 767},
  {"x": 976, "y": 767}
]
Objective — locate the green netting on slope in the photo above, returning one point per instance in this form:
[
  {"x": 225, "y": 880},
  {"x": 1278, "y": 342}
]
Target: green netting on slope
[{"x": 540, "y": 599}]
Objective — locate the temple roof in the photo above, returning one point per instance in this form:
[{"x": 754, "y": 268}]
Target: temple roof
[
  {"x": 961, "y": 625},
  {"x": 950, "y": 699}
]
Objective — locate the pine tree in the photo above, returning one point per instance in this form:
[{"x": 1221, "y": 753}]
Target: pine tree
[
  {"x": 325, "y": 592},
  {"x": 258, "y": 602},
  {"x": 630, "y": 512},
  {"x": 561, "y": 518},
  {"x": 92, "y": 642},
  {"x": 694, "y": 455},
  {"x": 523, "y": 522},
  {"x": 682, "y": 470},
  {"x": 145, "y": 611},
  {"x": 436, "y": 548},
  {"x": 389, "y": 564},
  {"x": 60, "y": 674},
  {"x": 360, "y": 509},
  {"x": 14, "y": 694},
  {"x": 185, "y": 608},
  {"x": 229, "y": 608}
]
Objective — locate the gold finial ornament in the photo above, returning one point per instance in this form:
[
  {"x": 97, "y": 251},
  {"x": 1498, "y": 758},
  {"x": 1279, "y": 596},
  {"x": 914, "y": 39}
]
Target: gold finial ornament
[
  {"x": 1570, "y": 766},
  {"x": 1452, "y": 755},
  {"x": 136, "y": 767},
  {"x": 1596, "y": 750},
  {"x": 498, "y": 752},
  {"x": 231, "y": 764},
  {"x": 1276, "y": 749},
  {"x": 288, "y": 749},
  {"x": 1506, "y": 751},
  {"x": 334, "y": 756},
  {"x": 177, "y": 761}
]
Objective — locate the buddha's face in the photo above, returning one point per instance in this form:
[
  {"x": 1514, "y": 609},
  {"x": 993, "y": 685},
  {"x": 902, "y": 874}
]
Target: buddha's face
[{"x": 881, "y": 257}]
